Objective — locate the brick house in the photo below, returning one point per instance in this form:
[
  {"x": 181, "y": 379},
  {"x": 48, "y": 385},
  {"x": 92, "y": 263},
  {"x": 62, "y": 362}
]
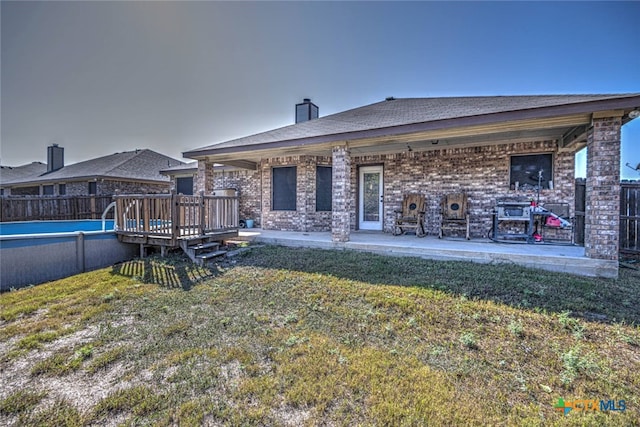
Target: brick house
[
  {"x": 184, "y": 180},
  {"x": 182, "y": 177},
  {"x": 135, "y": 171},
  {"x": 18, "y": 174},
  {"x": 349, "y": 171}
]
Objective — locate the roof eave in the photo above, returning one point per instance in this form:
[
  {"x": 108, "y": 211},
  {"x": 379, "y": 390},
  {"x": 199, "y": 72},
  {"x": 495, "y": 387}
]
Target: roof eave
[
  {"x": 179, "y": 172},
  {"x": 629, "y": 102},
  {"x": 82, "y": 178}
]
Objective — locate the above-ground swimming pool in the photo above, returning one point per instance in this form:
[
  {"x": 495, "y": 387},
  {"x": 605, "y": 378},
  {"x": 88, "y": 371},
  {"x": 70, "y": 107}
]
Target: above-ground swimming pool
[
  {"x": 33, "y": 252},
  {"x": 39, "y": 227}
]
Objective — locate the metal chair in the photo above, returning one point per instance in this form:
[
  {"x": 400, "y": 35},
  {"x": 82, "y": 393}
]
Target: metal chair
[
  {"x": 411, "y": 217},
  {"x": 455, "y": 213}
]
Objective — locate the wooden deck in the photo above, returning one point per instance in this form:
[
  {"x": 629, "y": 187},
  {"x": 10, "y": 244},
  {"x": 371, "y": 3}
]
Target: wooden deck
[{"x": 171, "y": 220}]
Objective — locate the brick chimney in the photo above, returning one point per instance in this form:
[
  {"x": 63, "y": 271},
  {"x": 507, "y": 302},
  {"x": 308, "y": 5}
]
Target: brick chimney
[
  {"x": 55, "y": 158},
  {"x": 305, "y": 111}
]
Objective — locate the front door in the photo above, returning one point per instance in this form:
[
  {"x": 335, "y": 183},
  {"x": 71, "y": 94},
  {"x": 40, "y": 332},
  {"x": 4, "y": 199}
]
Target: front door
[{"x": 370, "y": 198}]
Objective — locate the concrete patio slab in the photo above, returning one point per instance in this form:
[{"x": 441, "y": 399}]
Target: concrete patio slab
[{"x": 560, "y": 258}]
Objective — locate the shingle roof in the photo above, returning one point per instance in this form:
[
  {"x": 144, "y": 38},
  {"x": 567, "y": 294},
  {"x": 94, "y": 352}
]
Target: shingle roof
[
  {"x": 142, "y": 165},
  {"x": 406, "y": 111},
  {"x": 24, "y": 172}
]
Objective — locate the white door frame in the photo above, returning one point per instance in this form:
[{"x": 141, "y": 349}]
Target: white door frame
[{"x": 370, "y": 225}]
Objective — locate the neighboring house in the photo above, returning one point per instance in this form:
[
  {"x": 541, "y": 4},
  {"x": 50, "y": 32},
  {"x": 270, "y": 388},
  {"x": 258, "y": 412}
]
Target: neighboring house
[
  {"x": 182, "y": 177},
  {"x": 350, "y": 170},
  {"x": 184, "y": 181},
  {"x": 20, "y": 173},
  {"x": 135, "y": 171}
]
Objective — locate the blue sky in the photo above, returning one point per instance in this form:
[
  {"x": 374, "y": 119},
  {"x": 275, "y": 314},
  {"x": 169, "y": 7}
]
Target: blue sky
[{"x": 102, "y": 77}]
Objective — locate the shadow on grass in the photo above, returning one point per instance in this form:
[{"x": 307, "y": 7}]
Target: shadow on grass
[
  {"x": 173, "y": 272},
  {"x": 594, "y": 299}
]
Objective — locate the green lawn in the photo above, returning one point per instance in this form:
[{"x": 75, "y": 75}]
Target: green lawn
[{"x": 280, "y": 336}]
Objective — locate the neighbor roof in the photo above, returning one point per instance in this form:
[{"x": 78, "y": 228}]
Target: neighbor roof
[
  {"x": 399, "y": 115},
  {"x": 24, "y": 172},
  {"x": 138, "y": 165}
]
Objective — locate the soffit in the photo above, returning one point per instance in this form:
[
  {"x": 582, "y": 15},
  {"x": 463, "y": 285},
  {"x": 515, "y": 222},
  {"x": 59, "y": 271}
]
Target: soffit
[{"x": 553, "y": 128}]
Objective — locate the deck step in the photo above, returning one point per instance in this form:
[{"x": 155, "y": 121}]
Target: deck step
[
  {"x": 209, "y": 255},
  {"x": 202, "y": 246}
]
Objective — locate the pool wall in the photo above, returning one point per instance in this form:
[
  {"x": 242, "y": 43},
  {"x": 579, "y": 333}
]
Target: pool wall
[{"x": 30, "y": 259}]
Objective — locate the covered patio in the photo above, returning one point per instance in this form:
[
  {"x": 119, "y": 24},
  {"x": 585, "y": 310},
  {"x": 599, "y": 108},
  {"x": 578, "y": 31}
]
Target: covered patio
[
  {"x": 560, "y": 258},
  {"x": 347, "y": 172}
]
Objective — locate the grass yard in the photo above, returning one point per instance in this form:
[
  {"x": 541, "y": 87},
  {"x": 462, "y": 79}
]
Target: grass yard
[{"x": 280, "y": 336}]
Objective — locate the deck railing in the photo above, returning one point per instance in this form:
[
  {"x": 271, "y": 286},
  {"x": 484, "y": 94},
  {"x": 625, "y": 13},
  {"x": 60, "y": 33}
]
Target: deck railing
[{"x": 175, "y": 216}]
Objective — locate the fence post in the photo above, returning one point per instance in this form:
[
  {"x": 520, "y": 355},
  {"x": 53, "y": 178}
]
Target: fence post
[
  {"x": 147, "y": 214},
  {"x": 93, "y": 207},
  {"x": 175, "y": 217},
  {"x": 202, "y": 214},
  {"x": 116, "y": 224}
]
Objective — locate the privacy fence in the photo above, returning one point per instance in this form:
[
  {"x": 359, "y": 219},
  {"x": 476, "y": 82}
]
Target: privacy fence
[
  {"x": 34, "y": 208},
  {"x": 630, "y": 217}
]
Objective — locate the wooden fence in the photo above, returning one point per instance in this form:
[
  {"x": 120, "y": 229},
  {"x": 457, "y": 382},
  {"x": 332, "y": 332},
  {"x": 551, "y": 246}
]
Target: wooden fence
[
  {"x": 34, "y": 208},
  {"x": 630, "y": 217}
]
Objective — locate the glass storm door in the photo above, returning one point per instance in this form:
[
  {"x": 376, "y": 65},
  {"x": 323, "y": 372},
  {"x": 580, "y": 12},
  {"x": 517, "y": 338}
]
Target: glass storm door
[{"x": 370, "y": 198}]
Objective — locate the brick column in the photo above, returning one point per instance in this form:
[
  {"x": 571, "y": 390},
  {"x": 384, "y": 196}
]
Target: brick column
[
  {"x": 602, "y": 215},
  {"x": 341, "y": 183},
  {"x": 204, "y": 180}
]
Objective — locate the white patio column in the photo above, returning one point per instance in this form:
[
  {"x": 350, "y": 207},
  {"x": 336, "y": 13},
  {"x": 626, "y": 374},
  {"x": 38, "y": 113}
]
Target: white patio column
[
  {"x": 341, "y": 202},
  {"x": 602, "y": 211},
  {"x": 204, "y": 180}
]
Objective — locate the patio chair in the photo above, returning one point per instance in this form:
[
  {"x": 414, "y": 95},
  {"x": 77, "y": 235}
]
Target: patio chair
[
  {"x": 411, "y": 217},
  {"x": 455, "y": 214}
]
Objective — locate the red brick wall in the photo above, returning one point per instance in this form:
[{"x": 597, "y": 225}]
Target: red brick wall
[
  {"x": 248, "y": 183},
  {"x": 602, "y": 207},
  {"x": 481, "y": 172},
  {"x": 342, "y": 195},
  {"x": 126, "y": 187},
  {"x": 103, "y": 188},
  {"x": 305, "y": 217}
]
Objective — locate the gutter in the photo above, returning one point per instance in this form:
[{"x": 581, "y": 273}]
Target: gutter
[{"x": 80, "y": 179}]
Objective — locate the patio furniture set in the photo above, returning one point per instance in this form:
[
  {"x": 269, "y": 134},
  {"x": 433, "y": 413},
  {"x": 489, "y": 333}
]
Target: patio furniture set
[{"x": 514, "y": 220}]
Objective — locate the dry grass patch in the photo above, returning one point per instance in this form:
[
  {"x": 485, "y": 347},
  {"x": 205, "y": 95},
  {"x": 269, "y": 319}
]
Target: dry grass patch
[
  {"x": 59, "y": 413},
  {"x": 306, "y": 337},
  {"x": 21, "y": 401}
]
